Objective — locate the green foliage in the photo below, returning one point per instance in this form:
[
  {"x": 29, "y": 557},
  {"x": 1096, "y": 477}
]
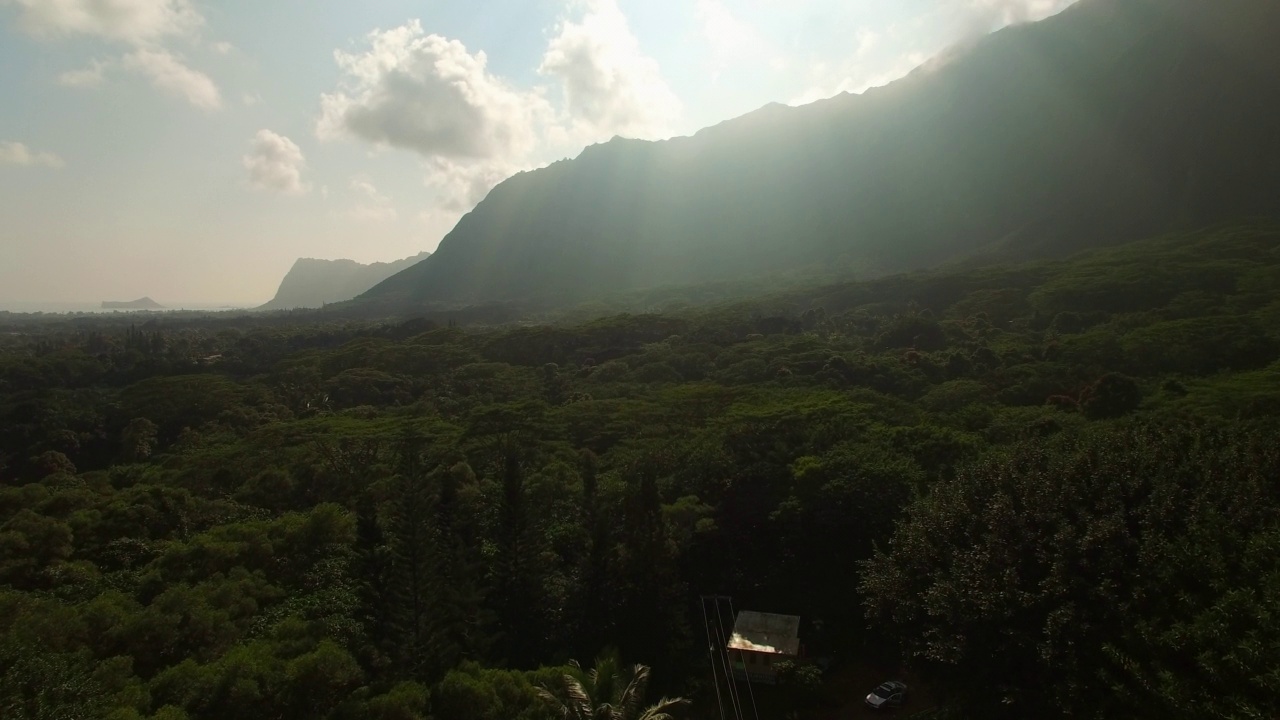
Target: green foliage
[
  {"x": 353, "y": 519},
  {"x": 30, "y": 545},
  {"x": 475, "y": 693},
  {"x": 138, "y": 440},
  {"x": 404, "y": 701},
  {"x": 1092, "y": 575},
  {"x": 1112, "y": 396},
  {"x": 307, "y": 678}
]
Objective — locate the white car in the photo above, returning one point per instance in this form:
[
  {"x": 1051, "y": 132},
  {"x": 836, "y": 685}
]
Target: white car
[{"x": 887, "y": 695}]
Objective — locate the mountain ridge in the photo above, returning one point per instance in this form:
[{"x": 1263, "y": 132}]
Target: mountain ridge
[{"x": 1114, "y": 120}]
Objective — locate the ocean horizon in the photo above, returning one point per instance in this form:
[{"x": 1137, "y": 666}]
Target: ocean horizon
[{"x": 77, "y": 308}]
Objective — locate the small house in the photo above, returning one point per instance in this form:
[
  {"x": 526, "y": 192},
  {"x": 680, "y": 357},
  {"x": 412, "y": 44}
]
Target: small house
[{"x": 760, "y": 641}]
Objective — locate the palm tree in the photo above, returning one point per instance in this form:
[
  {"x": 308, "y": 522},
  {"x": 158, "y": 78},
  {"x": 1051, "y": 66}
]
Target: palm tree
[{"x": 607, "y": 692}]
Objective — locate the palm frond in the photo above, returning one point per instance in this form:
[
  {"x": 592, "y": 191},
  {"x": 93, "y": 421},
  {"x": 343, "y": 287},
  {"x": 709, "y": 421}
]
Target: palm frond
[
  {"x": 573, "y": 703},
  {"x": 579, "y": 697},
  {"x": 661, "y": 710},
  {"x": 607, "y": 693},
  {"x": 633, "y": 695},
  {"x": 553, "y": 702}
]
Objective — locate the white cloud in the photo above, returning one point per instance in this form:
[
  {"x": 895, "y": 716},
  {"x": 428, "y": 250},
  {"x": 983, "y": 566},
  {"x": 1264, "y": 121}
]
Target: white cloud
[
  {"x": 373, "y": 205},
  {"x": 460, "y": 186},
  {"x": 728, "y": 38},
  {"x": 88, "y": 76},
  {"x": 223, "y": 47},
  {"x": 275, "y": 163},
  {"x": 168, "y": 73},
  {"x": 978, "y": 17},
  {"x": 929, "y": 39},
  {"x": 131, "y": 21},
  {"x": 610, "y": 86},
  {"x": 428, "y": 94},
  {"x": 251, "y": 99},
  {"x": 15, "y": 153},
  {"x": 144, "y": 24},
  {"x": 855, "y": 75}
]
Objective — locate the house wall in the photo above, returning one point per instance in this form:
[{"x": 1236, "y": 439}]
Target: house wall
[{"x": 756, "y": 667}]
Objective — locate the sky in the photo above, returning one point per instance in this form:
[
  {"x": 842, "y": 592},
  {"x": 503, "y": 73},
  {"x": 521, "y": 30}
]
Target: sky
[{"x": 191, "y": 150}]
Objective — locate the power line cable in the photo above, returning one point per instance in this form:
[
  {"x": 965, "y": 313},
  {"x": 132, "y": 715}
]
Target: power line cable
[
  {"x": 711, "y": 654},
  {"x": 750, "y": 693},
  {"x": 733, "y": 681},
  {"x": 723, "y": 652}
]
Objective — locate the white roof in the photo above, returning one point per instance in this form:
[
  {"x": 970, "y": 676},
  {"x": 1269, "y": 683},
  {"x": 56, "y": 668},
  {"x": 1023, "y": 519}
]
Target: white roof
[{"x": 766, "y": 633}]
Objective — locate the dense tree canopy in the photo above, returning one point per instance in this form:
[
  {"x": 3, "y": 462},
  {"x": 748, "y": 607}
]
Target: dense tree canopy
[{"x": 1053, "y": 493}]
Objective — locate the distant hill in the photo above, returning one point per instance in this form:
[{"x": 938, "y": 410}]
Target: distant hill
[
  {"x": 312, "y": 283},
  {"x": 1116, "y": 119},
  {"x": 145, "y": 303}
]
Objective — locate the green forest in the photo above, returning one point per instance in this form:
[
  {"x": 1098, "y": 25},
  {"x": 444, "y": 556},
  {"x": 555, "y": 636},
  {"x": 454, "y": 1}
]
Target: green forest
[{"x": 1040, "y": 490}]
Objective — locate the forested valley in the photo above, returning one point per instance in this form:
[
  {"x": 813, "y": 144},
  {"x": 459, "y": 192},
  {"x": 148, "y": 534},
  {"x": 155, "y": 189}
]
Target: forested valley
[{"x": 1044, "y": 490}]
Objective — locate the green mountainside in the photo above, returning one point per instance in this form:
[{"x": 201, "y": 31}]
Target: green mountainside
[
  {"x": 313, "y": 283},
  {"x": 1116, "y": 119}
]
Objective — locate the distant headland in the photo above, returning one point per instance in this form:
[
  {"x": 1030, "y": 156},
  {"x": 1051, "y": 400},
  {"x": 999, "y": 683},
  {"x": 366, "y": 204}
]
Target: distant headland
[
  {"x": 313, "y": 283},
  {"x": 145, "y": 303}
]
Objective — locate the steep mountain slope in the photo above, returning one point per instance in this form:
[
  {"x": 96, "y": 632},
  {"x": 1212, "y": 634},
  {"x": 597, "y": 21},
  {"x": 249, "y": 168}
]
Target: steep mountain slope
[
  {"x": 312, "y": 283},
  {"x": 1113, "y": 120}
]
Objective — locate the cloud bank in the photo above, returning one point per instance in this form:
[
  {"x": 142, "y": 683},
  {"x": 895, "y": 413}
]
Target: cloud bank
[
  {"x": 609, "y": 85},
  {"x": 143, "y": 24},
  {"x": 430, "y": 95},
  {"x": 15, "y": 153},
  {"x": 88, "y": 76},
  {"x": 169, "y": 74},
  {"x": 131, "y": 21},
  {"x": 373, "y": 206},
  {"x": 983, "y": 16},
  {"x": 275, "y": 163},
  {"x": 927, "y": 39},
  {"x": 729, "y": 40}
]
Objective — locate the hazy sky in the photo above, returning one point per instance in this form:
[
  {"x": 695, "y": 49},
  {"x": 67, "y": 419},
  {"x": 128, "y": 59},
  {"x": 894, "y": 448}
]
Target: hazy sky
[{"x": 190, "y": 150}]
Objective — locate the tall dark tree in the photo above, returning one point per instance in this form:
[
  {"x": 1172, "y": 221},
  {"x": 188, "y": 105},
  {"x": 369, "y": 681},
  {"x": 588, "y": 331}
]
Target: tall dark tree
[
  {"x": 461, "y": 615},
  {"x": 651, "y": 594},
  {"x": 553, "y": 384},
  {"x": 374, "y": 568},
  {"x": 436, "y": 552},
  {"x": 514, "y": 573},
  {"x": 412, "y": 534},
  {"x": 593, "y": 597}
]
